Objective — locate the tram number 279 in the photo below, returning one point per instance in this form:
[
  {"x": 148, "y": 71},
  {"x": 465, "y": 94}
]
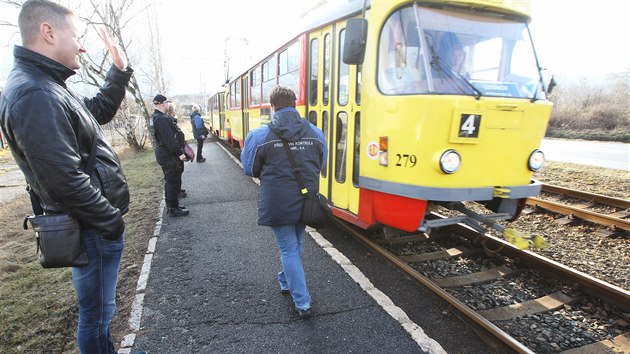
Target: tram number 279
[{"x": 406, "y": 160}]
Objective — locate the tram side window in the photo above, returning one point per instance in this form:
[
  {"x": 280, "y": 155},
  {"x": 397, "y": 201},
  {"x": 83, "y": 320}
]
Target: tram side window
[
  {"x": 312, "y": 117},
  {"x": 400, "y": 63},
  {"x": 357, "y": 149},
  {"x": 269, "y": 70},
  {"x": 358, "y": 88},
  {"x": 341, "y": 141},
  {"x": 234, "y": 93},
  {"x": 289, "y": 66},
  {"x": 255, "y": 80},
  {"x": 237, "y": 93},
  {"x": 344, "y": 74},
  {"x": 325, "y": 131},
  {"x": 326, "y": 92},
  {"x": 314, "y": 71}
]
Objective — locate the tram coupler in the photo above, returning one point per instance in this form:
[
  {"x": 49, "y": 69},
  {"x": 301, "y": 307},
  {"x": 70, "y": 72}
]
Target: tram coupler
[{"x": 520, "y": 239}]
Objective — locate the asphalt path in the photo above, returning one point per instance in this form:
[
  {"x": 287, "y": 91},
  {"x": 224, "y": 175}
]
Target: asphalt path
[
  {"x": 592, "y": 153},
  {"x": 212, "y": 285}
]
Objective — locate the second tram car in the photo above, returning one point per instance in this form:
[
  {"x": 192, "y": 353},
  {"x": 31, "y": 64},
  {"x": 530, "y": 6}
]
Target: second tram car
[{"x": 423, "y": 103}]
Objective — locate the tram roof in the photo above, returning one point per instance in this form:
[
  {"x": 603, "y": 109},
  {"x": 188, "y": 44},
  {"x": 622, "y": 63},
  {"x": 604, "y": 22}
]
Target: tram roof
[{"x": 332, "y": 11}]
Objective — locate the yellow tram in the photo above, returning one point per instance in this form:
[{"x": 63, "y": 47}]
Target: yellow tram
[
  {"x": 219, "y": 125},
  {"x": 423, "y": 103}
]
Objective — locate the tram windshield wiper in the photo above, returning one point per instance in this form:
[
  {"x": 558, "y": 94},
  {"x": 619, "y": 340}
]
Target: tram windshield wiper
[
  {"x": 453, "y": 75},
  {"x": 470, "y": 84}
]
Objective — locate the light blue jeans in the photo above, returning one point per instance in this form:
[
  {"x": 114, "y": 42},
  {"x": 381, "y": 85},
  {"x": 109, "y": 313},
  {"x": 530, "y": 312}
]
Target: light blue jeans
[
  {"x": 290, "y": 239},
  {"x": 95, "y": 285}
]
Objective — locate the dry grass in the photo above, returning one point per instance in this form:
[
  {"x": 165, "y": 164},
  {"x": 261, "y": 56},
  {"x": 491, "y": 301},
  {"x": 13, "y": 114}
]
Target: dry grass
[
  {"x": 38, "y": 306},
  {"x": 608, "y": 182},
  {"x": 592, "y": 111}
]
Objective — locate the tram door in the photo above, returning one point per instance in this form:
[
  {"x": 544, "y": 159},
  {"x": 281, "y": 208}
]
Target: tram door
[
  {"x": 345, "y": 118},
  {"x": 244, "y": 105},
  {"x": 334, "y": 106},
  {"x": 222, "y": 127},
  {"x": 319, "y": 104}
]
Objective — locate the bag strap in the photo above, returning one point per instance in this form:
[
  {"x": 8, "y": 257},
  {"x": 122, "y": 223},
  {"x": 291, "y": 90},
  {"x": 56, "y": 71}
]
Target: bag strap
[
  {"x": 35, "y": 202},
  {"x": 296, "y": 170}
]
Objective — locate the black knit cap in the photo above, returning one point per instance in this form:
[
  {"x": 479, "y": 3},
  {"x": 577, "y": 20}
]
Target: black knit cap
[{"x": 160, "y": 99}]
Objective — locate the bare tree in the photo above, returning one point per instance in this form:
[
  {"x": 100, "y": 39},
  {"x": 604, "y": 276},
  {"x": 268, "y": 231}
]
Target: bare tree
[
  {"x": 114, "y": 16},
  {"x": 130, "y": 125},
  {"x": 158, "y": 80}
]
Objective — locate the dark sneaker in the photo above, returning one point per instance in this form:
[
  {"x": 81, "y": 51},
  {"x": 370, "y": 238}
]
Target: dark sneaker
[
  {"x": 201, "y": 160},
  {"x": 177, "y": 212},
  {"x": 304, "y": 314},
  {"x": 285, "y": 291}
]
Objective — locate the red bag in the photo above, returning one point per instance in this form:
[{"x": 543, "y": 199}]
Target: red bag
[{"x": 190, "y": 154}]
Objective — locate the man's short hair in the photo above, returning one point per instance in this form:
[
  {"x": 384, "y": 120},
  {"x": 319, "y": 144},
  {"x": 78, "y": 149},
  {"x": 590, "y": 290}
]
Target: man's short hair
[
  {"x": 282, "y": 96},
  {"x": 34, "y": 12}
]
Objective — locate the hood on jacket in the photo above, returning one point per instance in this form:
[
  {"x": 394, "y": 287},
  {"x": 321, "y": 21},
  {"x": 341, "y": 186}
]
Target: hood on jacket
[{"x": 288, "y": 124}]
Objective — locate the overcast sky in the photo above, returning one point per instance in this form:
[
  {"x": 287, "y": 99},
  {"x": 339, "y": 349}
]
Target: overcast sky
[{"x": 572, "y": 39}]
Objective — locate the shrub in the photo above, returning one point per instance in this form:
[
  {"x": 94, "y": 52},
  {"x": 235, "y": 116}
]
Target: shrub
[{"x": 585, "y": 108}]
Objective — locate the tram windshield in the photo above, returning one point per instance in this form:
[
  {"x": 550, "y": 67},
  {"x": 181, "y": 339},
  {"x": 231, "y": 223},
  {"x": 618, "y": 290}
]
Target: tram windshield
[{"x": 425, "y": 50}]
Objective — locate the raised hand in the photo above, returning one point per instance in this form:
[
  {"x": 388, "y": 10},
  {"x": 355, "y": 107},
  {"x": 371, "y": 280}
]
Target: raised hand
[{"x": 118, "y": 56}]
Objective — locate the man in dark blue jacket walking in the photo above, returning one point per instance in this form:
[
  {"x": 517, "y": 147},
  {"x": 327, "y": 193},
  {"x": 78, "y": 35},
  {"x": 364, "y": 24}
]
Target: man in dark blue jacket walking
[
  {"x": 280, "y": 201},
  {"x": 199, "y": 131}
]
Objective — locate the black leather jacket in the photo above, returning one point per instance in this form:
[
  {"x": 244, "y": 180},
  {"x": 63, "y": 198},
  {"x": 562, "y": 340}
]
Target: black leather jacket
[{"x": 50, "y": 131}]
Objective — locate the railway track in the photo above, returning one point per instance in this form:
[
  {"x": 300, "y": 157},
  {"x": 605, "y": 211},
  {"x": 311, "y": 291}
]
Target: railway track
[
  {"x": 596, "y": 208},
  {"x": 515, "y": 322},
  {"x": 517, "y": 298}
]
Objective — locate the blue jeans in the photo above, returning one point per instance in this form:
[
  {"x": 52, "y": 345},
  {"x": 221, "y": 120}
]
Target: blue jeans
[
  {"x": 95, "y": 285},
  {"x": 290, "y": 239}
]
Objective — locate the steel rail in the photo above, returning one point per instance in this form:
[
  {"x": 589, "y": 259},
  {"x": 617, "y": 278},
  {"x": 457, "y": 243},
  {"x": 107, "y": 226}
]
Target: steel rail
[
  {"x": 483, "y": 323},
  {"x": 589, "y": 285},
  {"x": 597, "y": 198},
  {"x": 587, "y": 215}
]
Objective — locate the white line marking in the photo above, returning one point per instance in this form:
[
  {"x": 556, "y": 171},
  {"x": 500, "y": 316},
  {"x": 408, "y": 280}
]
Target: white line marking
[
  {"x": 136, "y": 313},
  {"x": 138, "y": 302},
  {"x": 416, "y": 332},
  {"x": 144, "y": 273}
]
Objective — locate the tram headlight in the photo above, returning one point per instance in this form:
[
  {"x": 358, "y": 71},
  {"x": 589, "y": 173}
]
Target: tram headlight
[
  {"x": 536, "y": 160},
  {"x": 450, "y": 161}
]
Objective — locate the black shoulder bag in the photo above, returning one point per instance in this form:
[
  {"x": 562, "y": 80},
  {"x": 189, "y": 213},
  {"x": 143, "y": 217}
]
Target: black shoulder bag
[
  {"x": 58, "y": 235},
  {"x": 316, "y": 211}
]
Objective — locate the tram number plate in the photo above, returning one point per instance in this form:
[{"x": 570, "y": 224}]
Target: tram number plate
[
  {"x": 469, "y": 125},
  {"x": 406, "y": 160}
]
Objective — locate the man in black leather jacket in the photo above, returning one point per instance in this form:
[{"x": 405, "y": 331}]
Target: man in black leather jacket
[{"x": 50, "y": 131}]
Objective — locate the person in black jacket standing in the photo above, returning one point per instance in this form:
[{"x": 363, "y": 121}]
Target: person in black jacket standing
[
  {"x": 51, "y": 132},
  {"x": 169, "y": 154}
]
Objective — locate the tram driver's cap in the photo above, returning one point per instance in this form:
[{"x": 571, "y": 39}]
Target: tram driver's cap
[{"x": 159, "y": 99}]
